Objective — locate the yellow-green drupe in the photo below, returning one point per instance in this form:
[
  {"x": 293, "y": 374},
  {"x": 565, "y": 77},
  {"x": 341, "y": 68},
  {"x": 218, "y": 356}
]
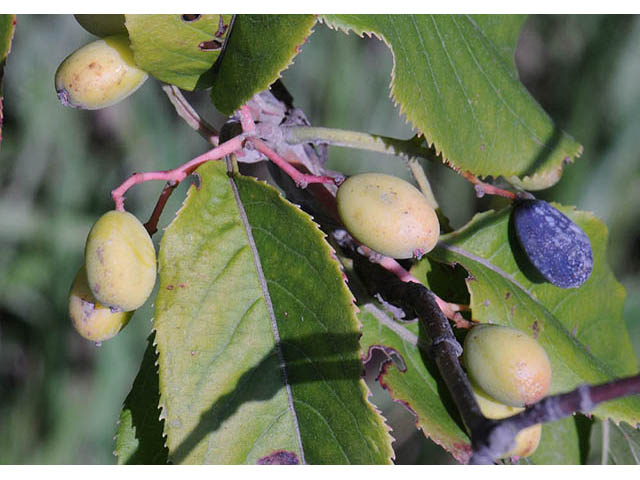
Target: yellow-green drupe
[
  {"x": 99, "y": 74},
  {"x": 90, "y": 318},
  {"x": 507, "y": 364},
  {"x": 120, "y": 260},
  {"x": 388, "y": 214},
  {"x": 526, "y": 441}
]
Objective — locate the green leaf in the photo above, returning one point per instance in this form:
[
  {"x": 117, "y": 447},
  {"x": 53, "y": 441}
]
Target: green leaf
[
  {"x": 621, "y": 443},
  {"x": 169, "y": 46},
  {"x": 412, "y": 379},
  {"x": 259, "y": 49},
  {"x": 139, "y": 439},
  {"x": 581, "y": 329},
  {"x": 7, "y": 28},
  {"x": 257, "y": 337},
  {"x": 559, "y": 444},
  {"x": 503, "y": 31},
  {"x": 453, "y": 82}
]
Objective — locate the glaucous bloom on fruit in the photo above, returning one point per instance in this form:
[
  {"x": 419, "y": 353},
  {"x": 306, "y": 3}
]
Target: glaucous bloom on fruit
[
  {"x": 388, "y": 214},
  {"x": 102, "y": 25},
  {"x": 555, "y": 245},
  {"x": 90, "y": 318},
  {"x": 120, "y": 261},
  {"x": 527, "y": 440},
  {"x": 507, "y": 364},
  {"x": 99, "y": 74}
]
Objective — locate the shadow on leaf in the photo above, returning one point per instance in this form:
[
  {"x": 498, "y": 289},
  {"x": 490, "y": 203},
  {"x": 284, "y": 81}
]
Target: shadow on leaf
[{"x": 306, "y": 362}]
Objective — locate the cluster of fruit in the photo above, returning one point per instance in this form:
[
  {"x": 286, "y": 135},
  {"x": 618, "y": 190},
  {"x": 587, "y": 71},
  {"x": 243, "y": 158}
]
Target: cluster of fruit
[
  {"x": 117, "y": 278},
  {"x": 508, "y": 370}
]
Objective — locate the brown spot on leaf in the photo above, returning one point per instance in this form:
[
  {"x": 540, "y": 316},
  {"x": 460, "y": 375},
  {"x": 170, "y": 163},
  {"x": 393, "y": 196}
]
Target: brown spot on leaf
[
  {"x": 210, "y": 45},
  {"x": 280, "y": 457},
  {"x": 196, "y": 180},
  {"x": 190, "y": 17},
  {"x": 222, "y": 28},
  {"x": 507, "y": 295},
  {"x": 169, "y": 287},
  {"x": 535, "y": 328}
]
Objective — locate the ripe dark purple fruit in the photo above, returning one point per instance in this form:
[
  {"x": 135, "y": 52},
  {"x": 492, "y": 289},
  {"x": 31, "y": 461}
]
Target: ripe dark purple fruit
[{"x": 556, "y": 246}]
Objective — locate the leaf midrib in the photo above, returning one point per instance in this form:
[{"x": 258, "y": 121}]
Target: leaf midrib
[{"x": 274, "y": 326}]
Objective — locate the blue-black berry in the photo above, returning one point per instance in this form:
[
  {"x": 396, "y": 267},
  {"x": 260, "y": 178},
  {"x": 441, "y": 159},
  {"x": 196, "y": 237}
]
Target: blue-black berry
[{"x": 556, "y": 246}]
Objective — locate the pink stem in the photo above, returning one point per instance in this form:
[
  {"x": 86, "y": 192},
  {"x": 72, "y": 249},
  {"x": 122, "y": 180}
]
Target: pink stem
[
  {"x": 485, "y": 188},
  {"x": 246, "y": 120},
  {"x": 301, "y": 179},
  {"x": 178, "y": 174}
]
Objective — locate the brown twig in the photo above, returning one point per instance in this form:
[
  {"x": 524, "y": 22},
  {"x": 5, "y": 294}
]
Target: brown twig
[
  {"x": 152, "y": 223},
  {"x": 499, "y": 435},
  {"x": 450, "y": 310}
]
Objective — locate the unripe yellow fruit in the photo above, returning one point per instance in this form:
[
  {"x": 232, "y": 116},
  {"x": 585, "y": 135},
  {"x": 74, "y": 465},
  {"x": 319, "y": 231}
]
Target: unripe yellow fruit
[
  {"x": 526, "y": 441},
  {"x": 102, "y": 25},
  {"x": 99, "y": 74},
  {"x": 388, "y": 214},
  {"x": 120, "y": 260},
  {"x": 507, "y": 364},
  {"x": 90, "y": 318}
]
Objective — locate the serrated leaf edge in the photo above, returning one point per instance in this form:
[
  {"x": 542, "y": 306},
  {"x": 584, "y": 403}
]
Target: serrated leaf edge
[
  {"x": 365, "y": 390},
  {"x": 551, "y": 176},
  {"x": 461, "y": 454},
  {"x": 292, "y": 55}
]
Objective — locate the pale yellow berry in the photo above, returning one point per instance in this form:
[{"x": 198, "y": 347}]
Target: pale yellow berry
[
  {"x": 120, "y": 261},
  {"x": 388, "y": 215},
  {"x": 99, "y": 74},
  {"x": 507, "y": 364},
  {"x": 527, "y": 440},
  {"x": 90, "y": 318}
]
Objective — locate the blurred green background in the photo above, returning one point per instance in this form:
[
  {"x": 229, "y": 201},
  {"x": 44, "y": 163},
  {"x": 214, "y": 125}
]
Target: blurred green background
[{"x": 60, "y": 396}]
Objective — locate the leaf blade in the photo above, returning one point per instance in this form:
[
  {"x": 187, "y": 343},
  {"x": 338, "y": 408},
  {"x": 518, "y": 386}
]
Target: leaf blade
[
  {"x": 139, "y": 439},
  {"x": 457, "y": 89},
  {"x": 168, "y": 47},
  {"x": 222, "y": 343},
  {"x": 412, "y": 380},
  {"x": 7, "y": 29},
  {"x": 259, "y": 49}
]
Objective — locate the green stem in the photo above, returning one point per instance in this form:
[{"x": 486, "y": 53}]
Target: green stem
[
  {"x": 423, "y": 182},
  {"x": 407, "y": 149},
  {"x": 410, "y": 150}
]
